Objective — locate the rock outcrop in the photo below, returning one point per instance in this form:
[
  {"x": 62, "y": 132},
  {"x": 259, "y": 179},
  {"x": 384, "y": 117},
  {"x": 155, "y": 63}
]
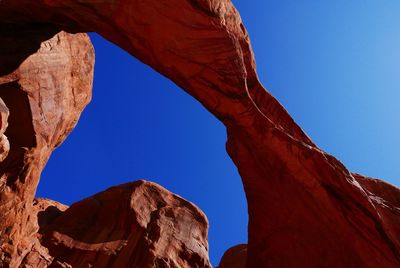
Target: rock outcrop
[
  {"x": 44, "y": 212},
  {"x": 45, "y": 82},
  {"x": 305, "y": 208},
  {"x": 234, "y": 257},
  {"x": 137, "y": 224}
]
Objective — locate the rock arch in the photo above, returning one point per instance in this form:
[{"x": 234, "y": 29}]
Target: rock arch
[{"x": 305, "y": 208}]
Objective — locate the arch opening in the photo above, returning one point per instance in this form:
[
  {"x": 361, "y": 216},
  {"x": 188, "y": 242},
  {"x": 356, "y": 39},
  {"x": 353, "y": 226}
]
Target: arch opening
[{"x": 156, "y": 132}]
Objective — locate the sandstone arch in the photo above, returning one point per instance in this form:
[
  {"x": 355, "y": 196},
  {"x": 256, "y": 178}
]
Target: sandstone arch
[{"x": 305, "y": 208}]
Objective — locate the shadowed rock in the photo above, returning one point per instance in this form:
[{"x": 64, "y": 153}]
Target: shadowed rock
[{"x": 234, "y": 257}]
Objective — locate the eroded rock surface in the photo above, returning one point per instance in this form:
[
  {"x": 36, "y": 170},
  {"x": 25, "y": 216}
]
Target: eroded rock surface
[
  {"x": 44, "y": 212},
  {"x": 305, "y": 208},
  {"x": 4, "y": 143},
  {"x": 137, "y": 224},
  {"x": 234, "y": 257},
  {"x": 45, "y": 82}
]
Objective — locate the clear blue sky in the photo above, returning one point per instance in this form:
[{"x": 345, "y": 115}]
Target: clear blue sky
[{"x": 333, "y": 64}]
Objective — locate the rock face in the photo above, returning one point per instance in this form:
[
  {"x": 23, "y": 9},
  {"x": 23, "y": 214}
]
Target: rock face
[
  {"x": 4, "y": 143},
  {"x": 45, "y": 84},
  {"x": 45, "y": 81},
  {"x": 305, "y": 208},
  {"x": 43, "y": 213},
  {"x": 234, "y": 257},
  {"x": 137, "y": 224}
]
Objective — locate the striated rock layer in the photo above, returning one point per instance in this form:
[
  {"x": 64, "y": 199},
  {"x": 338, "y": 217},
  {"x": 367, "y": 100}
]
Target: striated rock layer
[{"x": 305, "y": 208}]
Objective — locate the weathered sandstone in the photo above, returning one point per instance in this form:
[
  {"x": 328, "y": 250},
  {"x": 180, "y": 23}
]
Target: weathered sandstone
[
  {"x": 137, "y": 224},
  {"x": 305, "y": 208},
  {"x": 45, "y": 82},
  {"x": 4, "y": 143}
]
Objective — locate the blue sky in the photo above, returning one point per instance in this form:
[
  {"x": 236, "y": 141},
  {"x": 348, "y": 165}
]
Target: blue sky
[{"x": 334, "y": 65}]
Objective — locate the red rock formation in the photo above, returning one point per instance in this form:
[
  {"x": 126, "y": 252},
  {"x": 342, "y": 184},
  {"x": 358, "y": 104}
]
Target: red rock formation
[
  {"x": 45, "y": 81},
  {"x": 4, "y": 143},
  {"x": 234, "y": 257},
  {"x": 305, "y": 208},
  {"x": 137, "y": 224},
  {"x": 44, "y": 213}
]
